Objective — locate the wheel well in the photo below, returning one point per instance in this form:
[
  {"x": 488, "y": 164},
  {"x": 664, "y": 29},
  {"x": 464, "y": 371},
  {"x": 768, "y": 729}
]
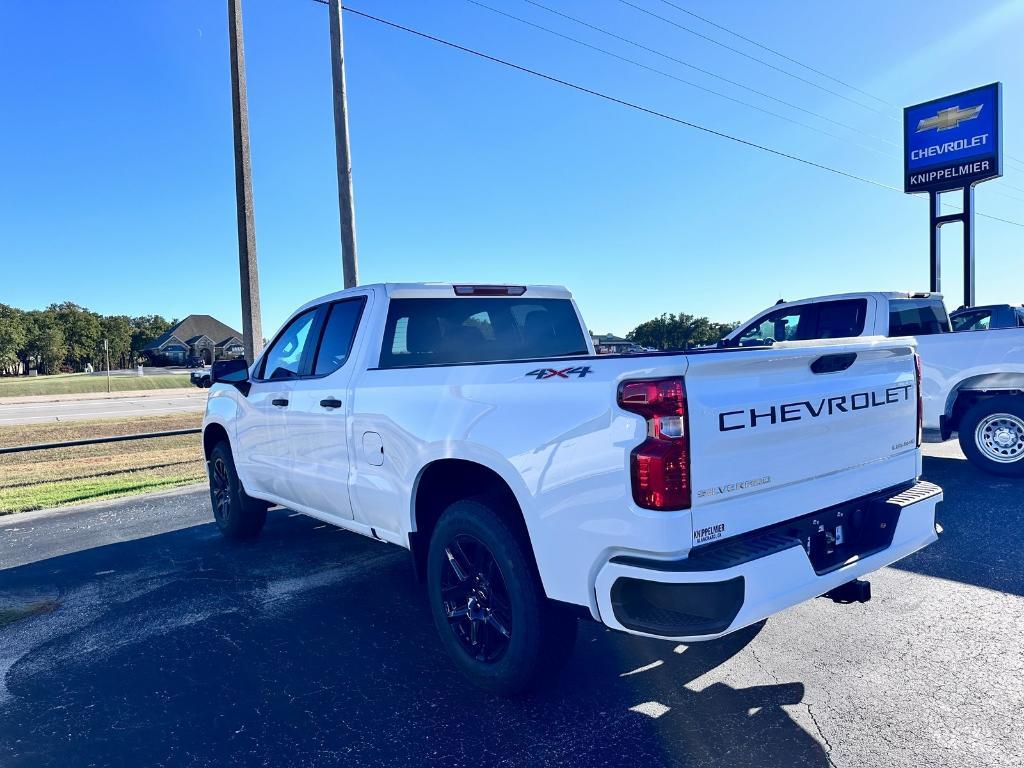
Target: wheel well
[
  {"x": 965, "y": 399},
  {"x": 446, "y": 481},
  {"x": 212, "y": 435}
]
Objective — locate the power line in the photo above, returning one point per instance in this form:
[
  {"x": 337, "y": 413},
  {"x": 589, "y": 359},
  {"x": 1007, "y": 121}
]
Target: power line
[
  {"x": 657, "y": 71},
  {"x": 633, "y": 105},
  {"x": 736, "y": 34},
  {"x": 778, "y": 53},
  {"x": 1011, "y": 197},
  {"x": 708, "y": 72},
  {"x": 768, "y": 64}
]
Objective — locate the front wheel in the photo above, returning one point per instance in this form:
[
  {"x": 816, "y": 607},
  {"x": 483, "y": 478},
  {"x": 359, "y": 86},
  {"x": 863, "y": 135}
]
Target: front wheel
[
  {"x": 238, "y": 515},
  {"x": 488, "y": 604},
  {"x": 991, "y": 435}
]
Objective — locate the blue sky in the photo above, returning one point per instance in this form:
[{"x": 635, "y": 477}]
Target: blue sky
[{"x": 117, "y": 190}]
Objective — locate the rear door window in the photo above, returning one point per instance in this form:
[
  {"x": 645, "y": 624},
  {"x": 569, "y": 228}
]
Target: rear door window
[
  {"x": 841, "y": 319},
  {"x": 917, "y": 317},
  {"x": 466, "y": 330}
]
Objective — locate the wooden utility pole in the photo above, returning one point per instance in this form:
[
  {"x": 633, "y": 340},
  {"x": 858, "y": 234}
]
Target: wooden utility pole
[
  {"x": 346, "y": 202},
  {"x": 248, "y": 271}
]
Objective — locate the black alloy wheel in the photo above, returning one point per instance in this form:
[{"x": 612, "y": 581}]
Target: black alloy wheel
[
  {"x": 238, "y": 515},
  {"x": 476, "y": 599},
  {"x": 487, "y": 600},
  {"x": 220, "y": 490}
]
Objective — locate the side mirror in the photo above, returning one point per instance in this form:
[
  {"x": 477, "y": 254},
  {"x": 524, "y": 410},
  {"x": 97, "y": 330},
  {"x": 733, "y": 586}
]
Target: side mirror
[{"x": 234, "y": 372}]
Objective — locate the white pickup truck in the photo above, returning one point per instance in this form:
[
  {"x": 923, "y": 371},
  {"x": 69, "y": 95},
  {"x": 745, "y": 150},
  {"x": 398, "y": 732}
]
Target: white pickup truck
[
  {"x": 973, "y": 383},
  {"x": 670, "y": 495}
]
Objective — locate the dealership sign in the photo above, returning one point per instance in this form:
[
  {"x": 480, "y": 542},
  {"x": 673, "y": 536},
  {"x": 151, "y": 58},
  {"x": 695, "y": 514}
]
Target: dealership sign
[{"x": 953, "y": 142}]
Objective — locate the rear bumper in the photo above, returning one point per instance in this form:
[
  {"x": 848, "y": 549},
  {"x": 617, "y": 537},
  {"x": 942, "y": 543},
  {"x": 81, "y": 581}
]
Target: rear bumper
[{"x": 728, "y": 585}]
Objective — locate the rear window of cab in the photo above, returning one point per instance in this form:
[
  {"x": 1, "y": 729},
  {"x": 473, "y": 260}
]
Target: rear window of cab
[{"x": 473, "y": 329}]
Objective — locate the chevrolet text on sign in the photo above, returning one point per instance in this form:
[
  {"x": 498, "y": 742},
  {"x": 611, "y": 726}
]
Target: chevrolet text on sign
[{"x": 954, "y": 141}]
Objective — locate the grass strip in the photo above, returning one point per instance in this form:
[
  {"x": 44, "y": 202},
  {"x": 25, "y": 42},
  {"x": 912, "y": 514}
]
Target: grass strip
[
  {"x": 60, "y": 476},
  {"x": 78, "y": 383}
]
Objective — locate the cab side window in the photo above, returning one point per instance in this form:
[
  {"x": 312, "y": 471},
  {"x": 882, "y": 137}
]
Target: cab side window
[
  {"x": 973, "y": 321},
  {"x": 339, "y": 332},
  {"x": 915, "y": 317},
  {"x": 781, "y": 325},
  {"x": 284, "y": 358}
]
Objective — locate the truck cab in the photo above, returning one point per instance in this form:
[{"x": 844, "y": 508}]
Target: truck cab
[{"x": 845, "y": 315}]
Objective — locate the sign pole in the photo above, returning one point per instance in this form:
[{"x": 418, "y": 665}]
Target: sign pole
[
  {"x": 935, "y": 282},
  {"x": 968, "y": 224}
]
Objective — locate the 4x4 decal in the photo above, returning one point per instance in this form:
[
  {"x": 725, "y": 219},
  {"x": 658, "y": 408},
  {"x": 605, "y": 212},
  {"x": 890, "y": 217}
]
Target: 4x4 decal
[{"x": 564, "y": 373}]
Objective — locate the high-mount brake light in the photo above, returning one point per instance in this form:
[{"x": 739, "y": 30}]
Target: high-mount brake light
[
  {"x": 660, "y": 465},
  {"x": 489, "y": 290},
  {"x": 920, "y": 399}
]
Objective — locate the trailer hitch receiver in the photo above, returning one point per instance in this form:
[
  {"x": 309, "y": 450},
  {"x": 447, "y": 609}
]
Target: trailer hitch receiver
[{"x": 856, "y": 591}]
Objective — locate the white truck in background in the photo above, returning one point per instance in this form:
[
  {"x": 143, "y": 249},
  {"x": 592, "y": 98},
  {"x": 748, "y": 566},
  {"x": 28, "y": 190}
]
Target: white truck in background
[
  {"x": 972, "y": 383},
  {"x": 672, "y": 495}
]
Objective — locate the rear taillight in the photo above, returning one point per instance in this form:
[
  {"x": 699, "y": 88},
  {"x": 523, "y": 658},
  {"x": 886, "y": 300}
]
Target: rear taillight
[
  {"x": 660, "y": 465},
  {"x": 920, "y": 399}
]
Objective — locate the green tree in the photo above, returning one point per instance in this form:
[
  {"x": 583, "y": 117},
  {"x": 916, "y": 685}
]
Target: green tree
[
  {"x": 81, "y": 329},
  {"x": 670, "y": 331},
  {"x": 146, "y": 328},
  {"x": 13, "y": 337},
  {"x": 46, "y": 346},
  {"x": 117, "y": 330}
]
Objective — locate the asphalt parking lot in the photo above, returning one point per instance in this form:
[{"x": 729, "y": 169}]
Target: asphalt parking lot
[{"x": 157, "y": 643}]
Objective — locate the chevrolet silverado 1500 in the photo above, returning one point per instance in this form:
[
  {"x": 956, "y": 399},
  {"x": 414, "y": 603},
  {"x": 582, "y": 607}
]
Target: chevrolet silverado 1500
[{"x": 671, "y": 495}]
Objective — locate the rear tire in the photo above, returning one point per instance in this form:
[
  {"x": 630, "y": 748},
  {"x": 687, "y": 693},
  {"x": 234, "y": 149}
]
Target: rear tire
[
  {"x": 238, "y": 515},
  {"x": 488, "y": 603},
  {"x": 991, "y": 434}
]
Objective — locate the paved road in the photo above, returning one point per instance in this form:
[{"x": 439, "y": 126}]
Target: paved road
[
  {"x": 314, "y": 647},
  {"x": 103, "y": 408}
]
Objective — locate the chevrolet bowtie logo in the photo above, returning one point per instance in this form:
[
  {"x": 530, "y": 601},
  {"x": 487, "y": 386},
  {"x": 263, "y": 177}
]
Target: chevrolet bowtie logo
[{"x": 949, "y": 118}]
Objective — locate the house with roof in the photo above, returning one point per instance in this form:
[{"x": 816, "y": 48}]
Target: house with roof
[
  {"x": 202, "y": 336},
  {"x": 610, "y": 344}
]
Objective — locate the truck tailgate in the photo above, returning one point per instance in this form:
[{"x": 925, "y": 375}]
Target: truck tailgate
[{"x": 778, "y": 433}]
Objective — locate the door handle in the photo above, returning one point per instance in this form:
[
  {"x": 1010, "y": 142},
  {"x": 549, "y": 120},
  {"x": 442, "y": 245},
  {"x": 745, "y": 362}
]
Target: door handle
[
  {"x": 280, "y": 402},
  {"x": 331, "y": 402},
  {"x": 833, "y": 363}
]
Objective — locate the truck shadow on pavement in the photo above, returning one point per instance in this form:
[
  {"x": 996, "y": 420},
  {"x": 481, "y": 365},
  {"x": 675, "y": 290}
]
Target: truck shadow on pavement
[
  {"x": 983, "y": 528},
  {"x": 315, "y": 647}
]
